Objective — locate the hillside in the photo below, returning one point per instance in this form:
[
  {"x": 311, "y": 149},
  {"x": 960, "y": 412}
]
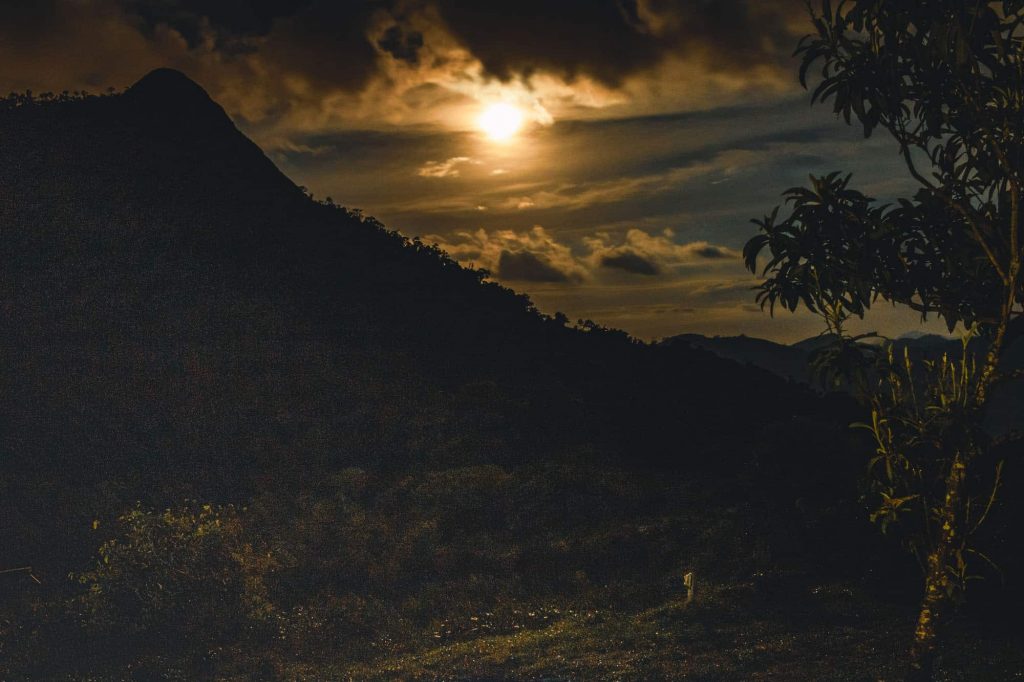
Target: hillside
[{"x": 148, "y": 237}]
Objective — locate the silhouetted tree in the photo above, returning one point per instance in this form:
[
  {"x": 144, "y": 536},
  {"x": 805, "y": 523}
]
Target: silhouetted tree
[{"x": 946, "y": 79}]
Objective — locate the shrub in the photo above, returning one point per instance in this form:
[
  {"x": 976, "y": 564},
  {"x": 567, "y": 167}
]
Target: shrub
[{"x": 185, "y": 583}]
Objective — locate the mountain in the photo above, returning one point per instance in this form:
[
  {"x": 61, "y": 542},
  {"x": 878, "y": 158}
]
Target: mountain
[
  {"x": 789, "y": 362},
  {"x": 792, "y": 362},
  {"x": 182, "y": 320}
]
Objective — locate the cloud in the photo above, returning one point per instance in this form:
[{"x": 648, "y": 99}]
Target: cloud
[
  {"x": 706, "y": 251},
  {"x": 301, "y": 65},
  {"x": 712, "y": 252},
  {"x": 614, "y": 39},
  {"x": 536, "y": 255},
  {"x": 631, "y": 262},
  {"x": 443, "y": 169},
  {"x": 402, "y": 45},
  {"x": 227, "y": 19},
  {"x": 643, "y": 253},
  {"x": 327, "y": 46},
  {"x": 525, "y": 266},
  {"x": 644, "y": 184},
  {"x": 533, "y": 255},
  {"x": 737, "y": 291},
  {"x": 324, "y": 43}
]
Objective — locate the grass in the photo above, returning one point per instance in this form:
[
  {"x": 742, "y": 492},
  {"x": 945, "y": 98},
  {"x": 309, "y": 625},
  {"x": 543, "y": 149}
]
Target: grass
[
  {"x": 550, "y": 574},
  {"x": 787, "y": 630}
]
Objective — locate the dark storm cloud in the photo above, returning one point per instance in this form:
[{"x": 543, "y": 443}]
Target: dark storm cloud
[
  {"x": 27, "y": 12},
  {"x": 326, "y": 42},
  {"x": 271, "y": 44},
  {"x": 22, "y": 20},
  {"x": 527, "y": 267},
  {"x": 340, "y": 43},
  {"x": 229, "y": 19},
  {"x": 612, "y": 39},
  {"x": 521, "y": 37},
  {"x": 605, "y": 39},
  {"x": 631, "y": 262},
  {"x": 403, "y": 46}
]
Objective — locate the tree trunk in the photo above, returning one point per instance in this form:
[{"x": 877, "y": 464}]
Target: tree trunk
[{"x": 939, "y": 586}]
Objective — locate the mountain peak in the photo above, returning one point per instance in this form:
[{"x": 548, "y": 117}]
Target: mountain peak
[
  {"x": 168, "y": 82},
  {"x": 171, "y": 98},
  {"x": 170, "y": 88}
]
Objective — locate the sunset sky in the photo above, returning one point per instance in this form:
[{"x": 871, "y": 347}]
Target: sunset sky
[{"x": 639, "y": 137}]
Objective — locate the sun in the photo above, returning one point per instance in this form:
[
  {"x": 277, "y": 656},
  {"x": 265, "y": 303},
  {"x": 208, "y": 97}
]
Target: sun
[{"x": 501, "y": 121}]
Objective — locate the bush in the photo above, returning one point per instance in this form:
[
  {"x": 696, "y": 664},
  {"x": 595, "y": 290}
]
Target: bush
[{"x": 184, "y": 583}]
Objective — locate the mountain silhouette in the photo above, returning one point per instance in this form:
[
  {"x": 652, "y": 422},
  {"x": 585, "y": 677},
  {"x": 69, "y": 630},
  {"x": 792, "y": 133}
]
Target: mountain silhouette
[
  {"x": 792, "y": 362},
  {"x": 174, "y": 99},
  {"x": 789, "y": 362},
  {"x": 183, "y": 320}
]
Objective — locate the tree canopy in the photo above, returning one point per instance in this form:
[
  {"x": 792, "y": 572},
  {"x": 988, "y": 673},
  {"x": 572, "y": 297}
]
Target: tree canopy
[{"x": 944, "y": 78}]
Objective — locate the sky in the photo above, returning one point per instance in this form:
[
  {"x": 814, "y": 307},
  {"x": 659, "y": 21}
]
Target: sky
[{"x": 650, "y": 132}]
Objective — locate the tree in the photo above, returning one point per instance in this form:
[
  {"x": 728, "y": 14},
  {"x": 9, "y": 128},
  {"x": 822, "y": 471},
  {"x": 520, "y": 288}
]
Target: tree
[{"x": 945, "y": 78}]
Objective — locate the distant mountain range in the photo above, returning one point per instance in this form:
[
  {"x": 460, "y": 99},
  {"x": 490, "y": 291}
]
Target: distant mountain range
[
  {"x": 789, "y": 362},
  {"x": 792, "y": 362}
]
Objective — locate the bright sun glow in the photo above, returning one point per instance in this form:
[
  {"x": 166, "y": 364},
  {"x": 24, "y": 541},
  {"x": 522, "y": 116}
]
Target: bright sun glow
[{"x": 501, "y": 121}]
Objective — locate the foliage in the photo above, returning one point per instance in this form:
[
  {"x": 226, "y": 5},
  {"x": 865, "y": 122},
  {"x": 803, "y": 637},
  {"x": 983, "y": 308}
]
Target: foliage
[
  {"x": 946, "y": 80},
  {"x": 920, "y": 421},
  {"x": 186, "y": 577},
  {"x": 17, "y": 100},
  {"x": 943, "y": 79},
  {"x": 357, "y": 565}
]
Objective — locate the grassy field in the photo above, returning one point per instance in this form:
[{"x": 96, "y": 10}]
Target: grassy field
[
  {"x": 744, "y": 631},
  {"x": 483, "y": 573}
]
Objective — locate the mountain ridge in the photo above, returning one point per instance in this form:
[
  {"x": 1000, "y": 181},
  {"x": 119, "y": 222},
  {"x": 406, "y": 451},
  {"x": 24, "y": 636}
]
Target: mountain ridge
[
  {"x": 210, "y": 302},
  {"x": 792, "y": 362}
]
